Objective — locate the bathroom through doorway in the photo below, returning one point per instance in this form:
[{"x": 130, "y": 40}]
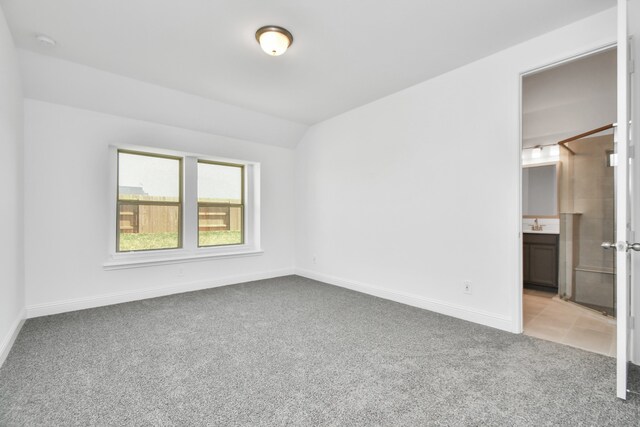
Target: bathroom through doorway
[{"x": 568, "y": 202}]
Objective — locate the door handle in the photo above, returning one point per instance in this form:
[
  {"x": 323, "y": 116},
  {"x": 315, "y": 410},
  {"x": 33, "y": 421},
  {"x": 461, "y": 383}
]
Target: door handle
[
  {"x": 632, "y": 246},
  {"x": 626, "y": 246}
]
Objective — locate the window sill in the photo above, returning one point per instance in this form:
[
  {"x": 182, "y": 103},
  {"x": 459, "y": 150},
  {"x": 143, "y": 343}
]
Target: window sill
[{"x": 122, "y": 261}]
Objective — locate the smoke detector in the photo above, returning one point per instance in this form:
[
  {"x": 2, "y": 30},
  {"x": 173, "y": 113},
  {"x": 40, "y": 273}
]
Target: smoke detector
[{"x": 45, "y": 41}]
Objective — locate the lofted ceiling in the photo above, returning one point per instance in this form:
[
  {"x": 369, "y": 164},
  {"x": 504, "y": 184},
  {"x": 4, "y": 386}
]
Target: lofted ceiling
[
  {"x": 570, "y": 99},
  {"x": 345, "y": 53}
]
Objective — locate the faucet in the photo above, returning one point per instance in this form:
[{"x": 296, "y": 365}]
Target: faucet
[{"x": 536, "y": 226}]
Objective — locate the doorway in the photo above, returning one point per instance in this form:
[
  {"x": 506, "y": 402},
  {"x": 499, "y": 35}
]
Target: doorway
[{"x": 568, "y": 202}]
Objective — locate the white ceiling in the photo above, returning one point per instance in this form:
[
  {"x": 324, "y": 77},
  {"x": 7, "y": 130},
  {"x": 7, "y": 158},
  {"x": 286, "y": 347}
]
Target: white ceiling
[
  {"x": 570, "y": 99},
  {"x": 345, "y": 53}
]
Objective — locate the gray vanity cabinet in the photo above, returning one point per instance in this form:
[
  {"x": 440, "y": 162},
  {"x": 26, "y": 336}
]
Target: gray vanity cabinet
[{"x": 540, "y": 263}]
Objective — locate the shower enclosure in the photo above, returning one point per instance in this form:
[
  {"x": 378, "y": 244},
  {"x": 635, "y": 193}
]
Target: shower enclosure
[{"x": 587, "y": 219}]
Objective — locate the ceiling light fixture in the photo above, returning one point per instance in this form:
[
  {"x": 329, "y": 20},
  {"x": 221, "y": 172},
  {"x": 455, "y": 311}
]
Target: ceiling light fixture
[{"x": 274, "y": 40}]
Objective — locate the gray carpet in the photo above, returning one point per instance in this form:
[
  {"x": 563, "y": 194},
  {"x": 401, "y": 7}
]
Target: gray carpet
[{"x": 293, "y": 351}]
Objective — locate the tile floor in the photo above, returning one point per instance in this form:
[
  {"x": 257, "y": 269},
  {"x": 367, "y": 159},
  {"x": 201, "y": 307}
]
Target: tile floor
[{"x": 547, "y": 317}]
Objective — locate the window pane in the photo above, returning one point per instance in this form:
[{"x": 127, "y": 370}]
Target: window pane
[
  {"x": 145, "y": 227},
  {"x": 219, "y": 225},
  {"x": 219, "y": 183},
  {"x": 148, "y": 178}
]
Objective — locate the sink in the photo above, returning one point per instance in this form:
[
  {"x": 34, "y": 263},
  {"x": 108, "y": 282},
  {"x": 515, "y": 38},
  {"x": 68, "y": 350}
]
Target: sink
[{"x": 549, "y": 225}]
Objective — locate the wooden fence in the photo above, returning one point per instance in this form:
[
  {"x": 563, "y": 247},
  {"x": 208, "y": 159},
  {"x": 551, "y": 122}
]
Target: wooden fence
[{"x": 156, "y": 218}]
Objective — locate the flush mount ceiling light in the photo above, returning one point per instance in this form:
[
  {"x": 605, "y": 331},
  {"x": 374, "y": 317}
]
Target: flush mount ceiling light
[{"x": 274, "y": 40}]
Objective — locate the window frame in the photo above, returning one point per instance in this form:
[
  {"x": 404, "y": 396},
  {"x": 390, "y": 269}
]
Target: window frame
[
  {"x": 138, "y": 203},
  {"x": 190, "y": 250},
  {"x": 241, "y": 205}
]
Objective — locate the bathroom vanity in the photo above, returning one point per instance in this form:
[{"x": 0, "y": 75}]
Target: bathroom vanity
[
  {"x": 540, "y": 260},
  {"x": 541, "y": 226}
]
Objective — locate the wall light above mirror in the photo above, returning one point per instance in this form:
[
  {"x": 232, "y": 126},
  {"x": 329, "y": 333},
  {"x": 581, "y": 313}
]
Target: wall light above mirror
[{"x": 538, "y": 155}]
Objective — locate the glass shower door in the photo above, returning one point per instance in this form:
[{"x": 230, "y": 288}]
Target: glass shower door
[{"x": 587, "y": 270}]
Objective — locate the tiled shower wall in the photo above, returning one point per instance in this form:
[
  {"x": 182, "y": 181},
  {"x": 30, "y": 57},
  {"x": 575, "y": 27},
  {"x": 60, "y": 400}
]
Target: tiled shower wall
[{"x": 588, "y": 195}]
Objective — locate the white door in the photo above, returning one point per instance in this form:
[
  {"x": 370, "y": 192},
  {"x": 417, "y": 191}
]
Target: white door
[{"x": 624, "y": 235}]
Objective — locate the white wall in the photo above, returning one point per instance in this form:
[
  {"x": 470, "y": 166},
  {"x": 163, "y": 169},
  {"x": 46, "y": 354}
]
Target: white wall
[
  {"x": 68, "y": 83},
  {"x": 11, "y": 259},
  {"x": 67, "y": 210},
  {"x": 410, "y": 195},
  {"x": 568, "y": 100}
]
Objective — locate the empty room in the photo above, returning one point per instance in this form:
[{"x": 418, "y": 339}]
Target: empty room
[{"x": 268, "y": 213}]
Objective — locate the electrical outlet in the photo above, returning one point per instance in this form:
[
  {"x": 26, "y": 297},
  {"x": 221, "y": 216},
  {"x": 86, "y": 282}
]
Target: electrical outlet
[
  {"x": 466, "y": 287},
  {"x": 314, "y": 259}
]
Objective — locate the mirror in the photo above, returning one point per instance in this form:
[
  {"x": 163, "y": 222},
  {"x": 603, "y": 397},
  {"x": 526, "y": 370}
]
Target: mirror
[{"x": 540, "y": 191}]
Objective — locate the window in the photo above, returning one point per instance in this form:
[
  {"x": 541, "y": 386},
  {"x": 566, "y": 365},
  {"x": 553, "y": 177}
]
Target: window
[
  {"x": 220, "y": 203},
  {"x": 175, "y": 206},
  {"x": 149, "y": 202}
]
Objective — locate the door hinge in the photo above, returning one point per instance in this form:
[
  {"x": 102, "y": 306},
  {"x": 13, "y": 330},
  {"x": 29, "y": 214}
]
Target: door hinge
[
  {"x": 632, "y": 322},
  {"x": 632, "y": 66},
  {"x": 631, "y": 151}
]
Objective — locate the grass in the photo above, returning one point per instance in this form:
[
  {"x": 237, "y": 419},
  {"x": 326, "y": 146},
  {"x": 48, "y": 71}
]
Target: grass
[
  {"x": 147, "y": 241},
  {"x": 211, "y": 238}
]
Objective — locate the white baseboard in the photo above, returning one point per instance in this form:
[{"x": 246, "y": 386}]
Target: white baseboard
[
  {"x": 10, "y": 338},
  {"x": 64, "y": 306},
  {"x": 497, "y": 321},
  {"x": 473, "y": 315}
]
